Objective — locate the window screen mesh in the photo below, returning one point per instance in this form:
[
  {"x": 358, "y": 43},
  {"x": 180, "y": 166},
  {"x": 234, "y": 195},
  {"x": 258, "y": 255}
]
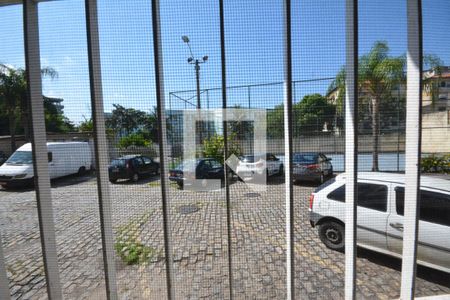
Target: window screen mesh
[{"x": 227, "y": 234}]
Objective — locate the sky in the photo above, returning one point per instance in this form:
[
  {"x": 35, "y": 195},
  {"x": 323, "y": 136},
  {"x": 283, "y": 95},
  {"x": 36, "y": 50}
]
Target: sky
[{"x": 254, "y": 47}]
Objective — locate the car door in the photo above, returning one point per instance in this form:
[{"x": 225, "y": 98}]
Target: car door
[
  {"x": 52, "y": 167},
  {"x": 148, "y": 165},
  {"x": 434, "y": 226},
  {"x": 271, "y": 162},
  {"x": 372, "y": 212},
  {"x": 138, "y": 164},
  {"x": 215, "y": 169}
]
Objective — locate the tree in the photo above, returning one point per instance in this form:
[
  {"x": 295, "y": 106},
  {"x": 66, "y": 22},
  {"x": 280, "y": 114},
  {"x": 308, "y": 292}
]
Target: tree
[
  {"x": 134, "y": 139},
  {"x": 86, "y": 126},
  {"x": 54, "y": 120},
  {"x": 434, "y": 63},
  {"x": 14, "y": 98},
  {"x": 125, "y": 121},
  {"x": 309, "y": 115},
  {"x": 214, "y": 147},
  {"x": 378, "y": 74},
  {"x": 312, "y": 113}
]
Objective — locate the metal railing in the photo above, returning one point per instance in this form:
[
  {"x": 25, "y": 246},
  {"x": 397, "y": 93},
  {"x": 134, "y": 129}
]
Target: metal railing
[{"x": 42, "y": 181}]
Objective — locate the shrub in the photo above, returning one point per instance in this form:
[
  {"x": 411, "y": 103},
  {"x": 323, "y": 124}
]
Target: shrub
[
  {"x": 215, "y": 145},
  {"x": 134, "y": 139},
  {"x": 436, "y": 164}
]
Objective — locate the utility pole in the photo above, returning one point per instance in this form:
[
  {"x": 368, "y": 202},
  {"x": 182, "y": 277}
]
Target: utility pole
[{"x": 196, "y": 62}]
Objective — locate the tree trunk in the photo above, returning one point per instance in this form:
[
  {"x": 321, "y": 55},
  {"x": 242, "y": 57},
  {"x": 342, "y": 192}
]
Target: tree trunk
[
  {"x": 12, "y": 131},
  {"x": 375, "y": 132}
]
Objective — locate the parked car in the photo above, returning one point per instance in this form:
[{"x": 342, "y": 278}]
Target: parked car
[
  {"x": 132, "y": 167},
  {"x": 64, "y": 158},
  {"x": 380, "y": 218},
  {"x": 200, "y": 169},
  {"x": 267, "y": 164},
  {"x": 311, "y": 166},
  {"x": 3, "y": 157}
]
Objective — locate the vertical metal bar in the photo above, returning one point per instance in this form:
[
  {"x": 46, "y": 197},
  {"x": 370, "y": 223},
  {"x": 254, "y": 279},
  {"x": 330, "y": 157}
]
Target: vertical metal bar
[
  {"x": 293, "y": 92},
  {"x": 412, "y": 147},
  {"x": 39, "y": 148},
  {"x": 248, "y": 97},
  {"x": 162, "y": 138},
  {"x": 225, "y": 136},
  {"x": 100, "y": 147},
  {"x": 398, "y": 130},
  {"x": 351, "y": 145},
  {"x": 290, "y": 254},
  {"x": 4, "y": 287}
]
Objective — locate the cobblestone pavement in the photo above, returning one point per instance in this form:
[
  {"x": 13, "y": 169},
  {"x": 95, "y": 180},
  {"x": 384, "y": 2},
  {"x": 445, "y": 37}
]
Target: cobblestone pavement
[{"x": 200, "y": 246}]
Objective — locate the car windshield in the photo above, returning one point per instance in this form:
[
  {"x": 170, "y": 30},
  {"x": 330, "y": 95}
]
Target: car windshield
[
  {"x": 118, "y": 163},
  {"x": 305, "y": 158},
  {"x": 20, "y": 158},
  {"x": 250, "y": 158}
]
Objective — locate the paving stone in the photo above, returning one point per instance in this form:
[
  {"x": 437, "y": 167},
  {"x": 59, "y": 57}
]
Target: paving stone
[{"x": 200, "y": 246}]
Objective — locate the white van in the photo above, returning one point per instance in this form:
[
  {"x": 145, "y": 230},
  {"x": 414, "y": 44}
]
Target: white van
[
  {"x": 64, "y": 158},
  {"x": 380, "y": 221}
]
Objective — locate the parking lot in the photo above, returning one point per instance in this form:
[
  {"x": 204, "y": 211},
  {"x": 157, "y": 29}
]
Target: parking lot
[{"x": 200, "y": 245}]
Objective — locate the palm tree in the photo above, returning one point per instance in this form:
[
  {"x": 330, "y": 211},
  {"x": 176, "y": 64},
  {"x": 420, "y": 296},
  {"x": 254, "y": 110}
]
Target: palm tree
[
  {"x": 378, "y": 74},
  {"x": 14, "y": 98}
]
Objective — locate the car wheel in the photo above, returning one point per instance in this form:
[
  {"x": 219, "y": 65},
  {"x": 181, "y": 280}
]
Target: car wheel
[
  {"x": 157, "y": 171},
  {"x": 180, "y": 185},
  {"x": 81, "y": 171},
  {"x": 113, "y": 180},
  {"x": 332, "y": 235},
  {"x": 280, "y": 171},
  {"x": 134, "y": 177},
  {"x": 321, "y": 178}
]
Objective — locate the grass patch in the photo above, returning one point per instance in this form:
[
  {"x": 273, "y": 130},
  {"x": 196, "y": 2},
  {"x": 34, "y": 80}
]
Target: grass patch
[
  {"x": 133, "y": 252},
  {"x": 154, "y": 184},
  {"x": 129, "y": 246}
]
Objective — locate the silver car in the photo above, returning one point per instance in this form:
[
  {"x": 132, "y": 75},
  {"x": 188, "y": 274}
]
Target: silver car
[
  {"x": 312, "y": 166},
  {"x": 381, "y": 202}
]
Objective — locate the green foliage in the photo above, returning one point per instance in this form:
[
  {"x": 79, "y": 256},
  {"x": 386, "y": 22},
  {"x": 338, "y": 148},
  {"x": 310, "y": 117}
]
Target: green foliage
[
  {"x": 215, "y": 145},
  {"x": 14, "y": 103},
  {"x": 86, "y": 126},
  {"x": 134, "y": 139},
  {"x": 54, "y": 120},
  {"x": 133, "y": 252},
  {"x": 309, "y": 116},
  {"x": 311, "y": 113},
  {"x": 432, "y": 85},
  {"x": 129, "y": 120},
  {"x": 128, "y": 246},
  {"x": 436, "y": 164}
]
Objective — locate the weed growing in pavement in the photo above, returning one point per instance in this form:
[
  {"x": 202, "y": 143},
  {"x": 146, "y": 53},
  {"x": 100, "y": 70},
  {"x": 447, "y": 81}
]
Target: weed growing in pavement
[{"x": 128, "y": 245}]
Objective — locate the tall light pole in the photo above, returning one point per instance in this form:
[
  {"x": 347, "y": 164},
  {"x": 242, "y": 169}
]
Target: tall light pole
[{"x": 196, "y": 62}]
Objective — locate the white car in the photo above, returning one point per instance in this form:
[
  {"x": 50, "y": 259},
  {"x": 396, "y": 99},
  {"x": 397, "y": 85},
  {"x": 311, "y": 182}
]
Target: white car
[
  {"x": 251, "y": 166},
  {"x": 380, "y": 216}
]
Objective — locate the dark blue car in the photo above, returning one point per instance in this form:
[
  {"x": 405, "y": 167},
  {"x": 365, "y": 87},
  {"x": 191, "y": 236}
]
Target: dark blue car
[{"x": 201, "y": 168}]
